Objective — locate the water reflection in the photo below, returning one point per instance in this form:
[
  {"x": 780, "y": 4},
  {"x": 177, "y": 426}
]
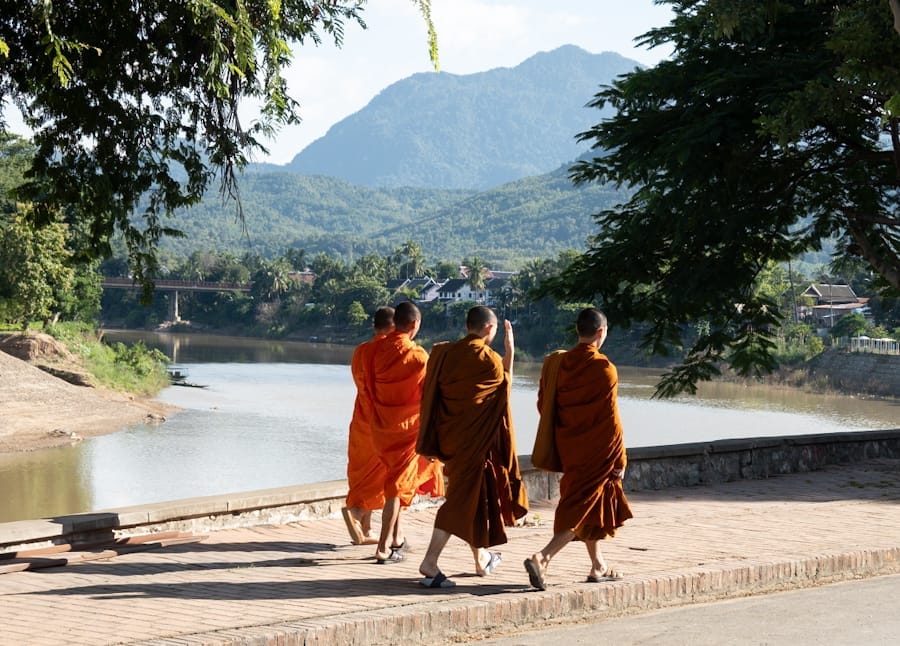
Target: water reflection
[
  {"x": 210, "y": 348},
  {"x": 44, "y": 483},
  {"x": 276, "y": 414}
]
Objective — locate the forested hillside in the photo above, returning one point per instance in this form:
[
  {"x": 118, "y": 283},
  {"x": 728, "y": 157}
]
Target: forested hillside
[
  {"x": 536, "y": 217},
  {"x": 531, "y": 218},
  {"x": 282, "y": 210}
]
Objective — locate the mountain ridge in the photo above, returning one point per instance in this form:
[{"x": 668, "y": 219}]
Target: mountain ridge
[{"x": 470, "y": 131}]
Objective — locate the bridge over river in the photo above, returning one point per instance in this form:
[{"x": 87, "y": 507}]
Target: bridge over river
[{"x": 165, "y": 285}]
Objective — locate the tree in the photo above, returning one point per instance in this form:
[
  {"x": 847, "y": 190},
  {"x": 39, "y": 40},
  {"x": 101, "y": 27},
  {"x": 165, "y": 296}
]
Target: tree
[
  {"x": 36, "y": 269},
  {"x": 356, "y": 315},
  {"x": 33, "y": 270},
  {"x": 851, "y": 324},
  {"x": 444, "y": 270},
  {"x": 272, "y": 280},
  {"x": 409, "y": 260},
  {"x": 372, "y": 267},
  {"x": 476, "y": 271},
  {"x": 136, "y": 109},
  {"x": 762, "y": 136}
]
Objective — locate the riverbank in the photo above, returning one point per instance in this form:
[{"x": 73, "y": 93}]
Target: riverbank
[{"x": 42, "y": 407}]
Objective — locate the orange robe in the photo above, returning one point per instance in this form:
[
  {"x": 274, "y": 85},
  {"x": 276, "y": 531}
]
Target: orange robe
[
  {"x": 365, "y": 471},
  {"x": 466, "y": 422},
  {"x": 589, "y": 441},
  {"x": 395, "y": 379}
]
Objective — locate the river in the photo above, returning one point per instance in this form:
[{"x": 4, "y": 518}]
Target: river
[{"x": 275, "y": 413}]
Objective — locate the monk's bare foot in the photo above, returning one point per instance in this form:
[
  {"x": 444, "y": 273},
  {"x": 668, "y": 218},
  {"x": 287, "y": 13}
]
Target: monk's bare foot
[
  {"x": 386, "y": 558},
  {"x": 598, "y": 570},
  {"x": 429, "y": 570},
  {"x": 353, "y": 527},
  {"x": 365, "y": 521},
  {"x": 601, "y": 574}
]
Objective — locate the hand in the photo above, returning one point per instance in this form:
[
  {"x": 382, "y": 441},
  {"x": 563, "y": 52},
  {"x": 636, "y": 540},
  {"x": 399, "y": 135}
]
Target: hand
[
  {"x": 618, "y": 474},
  {"x": 510, "y": 342}
]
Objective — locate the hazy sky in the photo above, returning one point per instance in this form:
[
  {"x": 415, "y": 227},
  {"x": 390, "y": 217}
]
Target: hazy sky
[{"x": 473, "y": 36}]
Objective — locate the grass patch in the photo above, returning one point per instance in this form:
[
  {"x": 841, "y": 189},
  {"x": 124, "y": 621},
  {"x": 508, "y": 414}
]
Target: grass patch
[{"x": 128, "y": 368}]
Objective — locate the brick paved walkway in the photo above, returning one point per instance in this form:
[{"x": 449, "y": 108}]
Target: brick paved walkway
[{"x": 305, "y": 584}]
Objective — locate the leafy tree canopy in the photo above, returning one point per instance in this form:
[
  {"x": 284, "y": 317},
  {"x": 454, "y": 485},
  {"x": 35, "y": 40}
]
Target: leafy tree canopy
[
  {"x": 765, "y": 134},
  {"x": 142, "y": 100}
]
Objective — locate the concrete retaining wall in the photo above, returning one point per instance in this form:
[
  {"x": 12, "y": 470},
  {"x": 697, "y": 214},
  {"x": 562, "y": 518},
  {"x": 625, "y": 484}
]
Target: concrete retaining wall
[
  {"x": 857, "y": 372},
  {"x": 685, "y": 465},
  {"x": 657, "y": 467}
]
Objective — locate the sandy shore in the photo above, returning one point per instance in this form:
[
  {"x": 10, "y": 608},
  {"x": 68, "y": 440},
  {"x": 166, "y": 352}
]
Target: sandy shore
[{"x": 38, "y": 410}]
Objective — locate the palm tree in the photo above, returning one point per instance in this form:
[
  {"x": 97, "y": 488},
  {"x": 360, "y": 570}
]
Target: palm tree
[
  {"x": 410, "y": 260},
  {"x": 476, "y": 273}
]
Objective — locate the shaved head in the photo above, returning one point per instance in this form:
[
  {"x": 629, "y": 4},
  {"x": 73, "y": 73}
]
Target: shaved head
[
  {"x": 405, "y": 316},
  {"x": 589, "y": 322},
  {"x": 384, "y": 318},
  {"x": 479, "y": 317}
]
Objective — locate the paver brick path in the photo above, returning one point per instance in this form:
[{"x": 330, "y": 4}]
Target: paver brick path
[{"x": 304, "y": 582}]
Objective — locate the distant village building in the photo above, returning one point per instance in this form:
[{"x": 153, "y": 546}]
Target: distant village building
[
  {"x": 831, "y": 302},
  {"x": 495, "y": 289},
  {"x": 425, "y": 287},
  {"x": 307, "y": 277},
  {"x": 458, "y": 289}
]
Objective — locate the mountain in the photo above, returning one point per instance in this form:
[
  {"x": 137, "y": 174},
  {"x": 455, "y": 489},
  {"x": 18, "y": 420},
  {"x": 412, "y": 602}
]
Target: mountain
[{"x": 470, "y": 131}]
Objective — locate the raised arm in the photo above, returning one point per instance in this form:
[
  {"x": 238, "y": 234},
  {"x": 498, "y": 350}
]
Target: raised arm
[{"x": 509, "y": 348}]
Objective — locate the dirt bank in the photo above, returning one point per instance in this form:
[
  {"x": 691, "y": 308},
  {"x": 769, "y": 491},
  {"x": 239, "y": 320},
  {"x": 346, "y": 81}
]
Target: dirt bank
[{"x": 39, "y": 410}]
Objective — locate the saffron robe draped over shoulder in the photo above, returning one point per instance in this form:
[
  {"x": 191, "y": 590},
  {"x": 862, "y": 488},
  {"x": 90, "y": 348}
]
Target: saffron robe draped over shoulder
[
  {"x": 395, "y": 379},
  {"x": 466, "y": 422},
  {"x": 590, "y": 444},
  {"x": 365, "y": 471}
]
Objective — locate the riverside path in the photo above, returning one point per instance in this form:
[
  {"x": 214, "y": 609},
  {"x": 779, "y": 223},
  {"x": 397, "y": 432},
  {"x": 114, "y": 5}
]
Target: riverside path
[{"x": 303, "y": 583}]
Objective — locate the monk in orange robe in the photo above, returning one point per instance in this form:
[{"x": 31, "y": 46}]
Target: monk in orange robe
[
  {"x": 466, "y": 423},
  {"x": 365, "y": 471},
  {"x": 578, "y": 398},
  {"x": 395, "y": 379}
]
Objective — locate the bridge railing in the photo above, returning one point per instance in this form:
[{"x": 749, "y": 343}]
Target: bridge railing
[{"x": 128, "y": 283}]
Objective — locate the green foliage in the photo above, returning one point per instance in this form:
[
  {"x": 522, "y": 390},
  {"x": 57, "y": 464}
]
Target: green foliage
[
  {"x": 33, "y": 269},
  {"x": 758, "y": 140},
  {"x": 852, "y": 324},
  {"x": 140, "y": 105},
  {"x": 797, "y": 343},
  {"x": 42, "y": 271},
  {"x": 356, "y": 315},
  {"x": 131, "y": 368},
  {"x": 504, "y": 227}
]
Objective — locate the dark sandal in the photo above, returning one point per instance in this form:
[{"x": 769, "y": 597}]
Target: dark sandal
[
  {"x": 439, "y": 580},
  {"x": 534, "y": 575}
]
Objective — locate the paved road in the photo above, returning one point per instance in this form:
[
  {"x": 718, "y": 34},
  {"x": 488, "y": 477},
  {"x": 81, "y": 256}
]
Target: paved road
[{"x": 854, "y": 613}]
